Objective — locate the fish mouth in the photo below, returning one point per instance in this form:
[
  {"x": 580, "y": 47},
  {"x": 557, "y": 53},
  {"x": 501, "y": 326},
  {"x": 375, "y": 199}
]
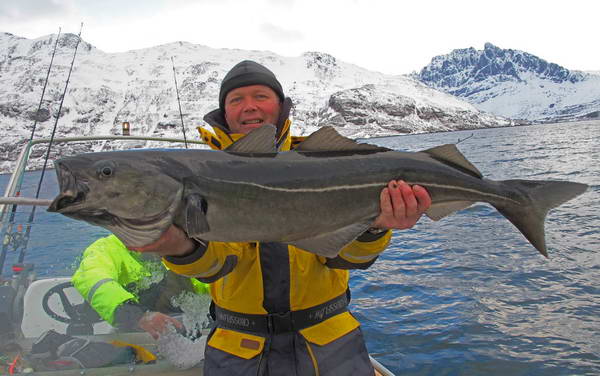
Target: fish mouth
[
  {"x": 71, "y": 203},
  {"x": 73, "y": 207},
  {"x": 72, "y": 192},
  {"x": 66, "y": 200}
]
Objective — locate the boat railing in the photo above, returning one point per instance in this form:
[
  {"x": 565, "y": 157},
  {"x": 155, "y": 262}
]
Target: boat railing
[{"x": 16, "y": 178}]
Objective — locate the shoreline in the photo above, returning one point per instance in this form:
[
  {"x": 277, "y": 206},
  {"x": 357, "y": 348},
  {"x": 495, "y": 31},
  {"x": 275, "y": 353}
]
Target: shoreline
[
  {"x": 420, "y": 134},
  {"x": 479, "y": 129}
]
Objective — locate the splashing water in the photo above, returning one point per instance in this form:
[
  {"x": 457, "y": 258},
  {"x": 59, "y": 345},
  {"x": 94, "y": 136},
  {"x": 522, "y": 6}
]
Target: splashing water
[
  {"x": 195, "y": 310},
  {"x": 179, "y": 350}
]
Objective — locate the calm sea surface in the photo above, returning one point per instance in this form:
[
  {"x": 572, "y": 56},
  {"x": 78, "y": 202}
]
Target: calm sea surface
[{"x": 467, "y": 295}]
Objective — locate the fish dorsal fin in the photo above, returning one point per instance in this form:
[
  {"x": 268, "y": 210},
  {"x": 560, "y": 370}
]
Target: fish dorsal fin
[
  {"x": 450, "y": 155},
  {"x": 328, "y": 139},
  {"x": 260, "y": 140}
]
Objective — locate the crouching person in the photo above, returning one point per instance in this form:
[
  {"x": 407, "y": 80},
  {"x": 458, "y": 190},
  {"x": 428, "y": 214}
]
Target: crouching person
[{"x": 132, "y": 291}]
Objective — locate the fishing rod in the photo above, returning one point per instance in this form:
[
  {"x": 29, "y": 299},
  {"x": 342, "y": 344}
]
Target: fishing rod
[
  {"x": 62, "y": 99},
  {"x": 36, "y": 118},
  {"x": 37, "y": 113},
  {"x": 464, "y": 139},
  {"x": 37, "y": 194},
  {"x": 179, "y": 102}
]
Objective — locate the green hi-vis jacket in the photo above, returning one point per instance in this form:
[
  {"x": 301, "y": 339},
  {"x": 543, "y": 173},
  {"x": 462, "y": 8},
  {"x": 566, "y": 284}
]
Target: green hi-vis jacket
[
  {"x": 109, "y": 274},
  {"x": 238, "y": 273}
]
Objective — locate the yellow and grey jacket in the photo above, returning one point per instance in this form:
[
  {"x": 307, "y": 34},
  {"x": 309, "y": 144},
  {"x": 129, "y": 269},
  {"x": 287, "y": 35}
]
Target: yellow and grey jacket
[{"x": 267, "y": 278}]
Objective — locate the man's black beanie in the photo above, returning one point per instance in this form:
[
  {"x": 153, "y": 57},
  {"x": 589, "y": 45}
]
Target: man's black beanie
[{"x": 248, "y": 73}]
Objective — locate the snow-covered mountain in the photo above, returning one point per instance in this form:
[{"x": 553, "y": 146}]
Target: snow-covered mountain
[
  {"x": 106, "y": 89},
  {"x": 514, "y": 84}
]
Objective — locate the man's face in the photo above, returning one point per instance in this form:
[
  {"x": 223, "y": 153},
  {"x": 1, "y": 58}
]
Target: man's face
[{"x": 251, "y": 107}]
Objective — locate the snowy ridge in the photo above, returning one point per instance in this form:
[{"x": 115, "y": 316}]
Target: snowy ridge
[
  {"x": 514, "y": 84},
  {"x": 137, "y": 86}
]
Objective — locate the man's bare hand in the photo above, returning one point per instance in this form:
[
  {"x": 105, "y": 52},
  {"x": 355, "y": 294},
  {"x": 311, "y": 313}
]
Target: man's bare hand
[
  {"x": 156, "y": 323},
  {"x": 401, "y": 205},
  {"x": 173, "y": 242}
]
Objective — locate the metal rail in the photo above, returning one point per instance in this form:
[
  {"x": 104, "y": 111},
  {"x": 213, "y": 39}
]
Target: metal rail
[
  {"x": 380, "y": 368},
  {"x": 29, "y": 201}
]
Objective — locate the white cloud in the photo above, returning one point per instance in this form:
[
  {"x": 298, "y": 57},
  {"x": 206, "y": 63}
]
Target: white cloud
[
  {"x": 388, "y": 36},
  {"x": 28, "y": 10},
  {"x": 280, "y": 34},
  {"x": 281, "y": 3}
]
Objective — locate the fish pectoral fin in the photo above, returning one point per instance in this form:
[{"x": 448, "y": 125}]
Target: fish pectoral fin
[
  {"x": 328, "y": 139},
  {"x": 194, "y": 216},
  {"x": 260, "y": 140},
  {"x": 330, "y": 244},
  {"x": 440, "y": 210},
  {"x": 451, "y": 156}
]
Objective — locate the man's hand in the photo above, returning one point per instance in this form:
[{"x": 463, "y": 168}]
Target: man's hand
[
  {"x": 401, "y": 205},
  {"x": 173, "y": 242},
  {"x": 156, "y": 323}
]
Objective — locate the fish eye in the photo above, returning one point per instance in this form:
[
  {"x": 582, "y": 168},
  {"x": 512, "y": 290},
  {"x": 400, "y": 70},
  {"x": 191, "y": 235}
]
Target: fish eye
[{"x": 105, "y": 170}]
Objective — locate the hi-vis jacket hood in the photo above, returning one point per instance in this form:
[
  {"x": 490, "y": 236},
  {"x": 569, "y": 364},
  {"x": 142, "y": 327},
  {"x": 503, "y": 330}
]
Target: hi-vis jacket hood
[{"x": 223, "y": 137}]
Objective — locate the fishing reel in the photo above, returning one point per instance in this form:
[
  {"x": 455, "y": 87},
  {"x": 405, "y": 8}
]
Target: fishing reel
[{"x": 11, "y": 300}]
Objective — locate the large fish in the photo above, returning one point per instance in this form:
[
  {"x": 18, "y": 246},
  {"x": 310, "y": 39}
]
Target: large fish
[{"x": 319, "y": 197}]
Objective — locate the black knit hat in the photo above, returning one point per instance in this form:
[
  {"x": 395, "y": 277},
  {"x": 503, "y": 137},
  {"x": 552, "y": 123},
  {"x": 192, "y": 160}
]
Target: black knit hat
[{"x": 248, "y": 73}]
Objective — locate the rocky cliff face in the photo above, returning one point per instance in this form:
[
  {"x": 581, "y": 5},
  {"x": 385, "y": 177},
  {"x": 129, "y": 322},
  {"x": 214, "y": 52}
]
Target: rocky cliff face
[
  {"x": 373, "y": 110},
  {"x": 138, "y": 87},
  {"x": 514, "y": 84}
]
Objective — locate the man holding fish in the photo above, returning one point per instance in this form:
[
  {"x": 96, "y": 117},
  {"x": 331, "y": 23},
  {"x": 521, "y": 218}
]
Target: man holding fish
[
  {"x": 275, "y": 222},
  {"x": 279, "y": 309}
]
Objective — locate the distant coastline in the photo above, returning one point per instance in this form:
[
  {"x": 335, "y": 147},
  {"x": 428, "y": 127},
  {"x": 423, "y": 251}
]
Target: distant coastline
[{"x": 519, "y": 124}]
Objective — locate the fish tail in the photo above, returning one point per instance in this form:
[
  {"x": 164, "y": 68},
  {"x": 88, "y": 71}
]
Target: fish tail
[{"x": 539, "y": 197}]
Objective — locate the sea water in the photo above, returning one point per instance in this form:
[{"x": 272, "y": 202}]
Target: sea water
[{"x": 467, "y": 295}]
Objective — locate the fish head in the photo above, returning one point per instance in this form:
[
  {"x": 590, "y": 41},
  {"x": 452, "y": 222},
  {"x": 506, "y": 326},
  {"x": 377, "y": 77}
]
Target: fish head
[{"x": 127, "y": 195}]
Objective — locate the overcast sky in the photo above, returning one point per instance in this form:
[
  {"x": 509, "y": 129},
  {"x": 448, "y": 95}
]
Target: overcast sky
[{"x": 390, "y": 36}]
